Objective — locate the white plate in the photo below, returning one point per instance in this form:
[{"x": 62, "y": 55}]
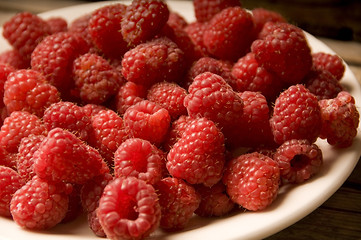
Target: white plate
[{"x": 292, "y": 204}]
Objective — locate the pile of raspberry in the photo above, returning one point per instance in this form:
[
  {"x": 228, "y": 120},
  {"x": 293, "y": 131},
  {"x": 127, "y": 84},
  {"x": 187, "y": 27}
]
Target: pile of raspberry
[{"x": 139, "y": 119}]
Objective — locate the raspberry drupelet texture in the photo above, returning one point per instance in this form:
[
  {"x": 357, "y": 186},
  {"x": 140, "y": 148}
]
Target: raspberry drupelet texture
[
  {"x": 128, "y": 95},
  {"x": 93, "y": 109},
  {"x": 296, "y": 115},
  {"x": 10, "y": 182},
  {"x": 261, "y": 15},
  {"x": 195, "y": 31},
  {"x": 39, "y": 204},
  {"x": 176, "y": 130},
  {"x": 178, "y": 201},
  {"x": 5, "y": 70},
  {"x": 340, "y": 119},
  {"x": 57, "y": 24},
  {"x": 330, "y": 62},
  {"x": 13, "y": 58},
  {"x": 139, "y": 158},
  {"x": 204, "y": 10},
  {"x": 252, "y": 180},
  {"x": 28, "y": 90},
  {"x": 79, "y": 26},
  {"x": 298, "y": 160},
  {"x": 142, "y": 20},
  {"x": 198, "y": 157},
  {"x": 129, "y": 209}
]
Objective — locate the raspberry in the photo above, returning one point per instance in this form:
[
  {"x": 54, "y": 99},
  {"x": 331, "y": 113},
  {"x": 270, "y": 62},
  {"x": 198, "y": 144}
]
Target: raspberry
[
  {"x": 18, "y": 125},
  {"x": 176, "y": 20},
  {"x": 195, "y": 31},
  {"x": 298, "y": 160},
  {"x": 155, "y": 61},
  {"x": 27, "y": 90},
  {"x": 250, "y": 76},
  {"x": 93, "y": 109},
  {"x": 176, "y": 130},
  {"x": 142, "y": 20},
  {"x": 63, "y": 157},
  {"x": 261, "y": 16},
  {"x": 214, "y": 201},
  {"x": 94, "y": 224},
  {"x": 68, "y": 115},
  {"x": 96, "y": 79},
  {"x": 25, "y": 31},
  {"x": 330, "y": 62},
  {"x": 178, "y": 201},
  {"x": 129, "y": 209},
  {"x": 198, "y": 157},
  {"x": 252, "y": 180},
  {"x": 169, "y": 96},
  {"x": 139, "y": 158},
  {"x": 148, "y": 121},
  {"x": 105, "y": 30},
  {"x": 10, "y": 182},
  {"x": 5, "y": 70},
  {"x": 227, "y": 35},
  {"x": 39, "y": 204},
  {"x": 340, "y": 119},
  {"x": 57, "y": 24},
  {"x": 74, "y": 207},
  {"x": 204, "y": 10},
  {"x": 296, "y": 115},
  {"x": 13, "y": 58},
  {"x": 79, "y": 26},
  {"x": 284, "y": 51},
  {"x": 128, "y": 95},
  {"x": 8, "y": 159}
]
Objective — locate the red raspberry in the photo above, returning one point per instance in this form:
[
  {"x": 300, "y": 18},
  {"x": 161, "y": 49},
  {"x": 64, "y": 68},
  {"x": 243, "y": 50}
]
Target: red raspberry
[
  {"x": 261, "y": 16},
  {"x": 8, "y": 159},
  {"x": 25, "y": 31},
  {"x": 176, "y": 20},
  {"x": 129, "y": 209},
  {"x": 148, "y": 121},
  {"x": 199, "y": 155},
  {"x": 330, "y": 62},
  {"x": 79, "y": 26},
  {"x": 105, "y": 30},
  {"x": 139, "y": 158},
  {"x": 68, "y": 115},
  {"x": 96, "y": 79},
  {"x": 128, "y": 95},
  {"x": 25, "y": 161},
  {"x": 94, "y": 224},
  {"x": 64, "y": 157},
  {"x": 298, "y": 160},
  {"x": 10, "y": 182},
  {"x": 13, "y": 58},
  {"x": 178, "y": 201},
  {"x": 18, "y": 125},
  {"x": 93, "y": 109},
  {"x": 169, "y": 96},
  {"x": 340, "y": 119},
  {"x": 142, "y": 20},
  {"x": 204, "y": 10},
  {"x": 284, "y": 51},
  {"x": 214, "y": 201},
  {"x": 252, "y": 180},
  {"x": 195, "y": 31},
  {"x": 296, "y": 115},
  {"x": 250, "y": 76},
  {"x": 176, "y": 130},
  {"x": 27, "y": 90},
  {"x": 5, "y": 70},
  {"x": 227, "y": 35},
  {"x": 155, "y": 61},
  {"x": 57, "y": 24},
  {"x": 39, "y": 204}
]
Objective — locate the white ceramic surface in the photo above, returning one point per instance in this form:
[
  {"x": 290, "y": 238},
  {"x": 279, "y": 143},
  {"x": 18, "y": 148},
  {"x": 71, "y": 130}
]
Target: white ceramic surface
[{"x": 292, "y": 204}]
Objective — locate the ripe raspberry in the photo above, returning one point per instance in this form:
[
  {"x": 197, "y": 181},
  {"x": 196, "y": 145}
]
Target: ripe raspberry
[
  {"x": 94, "y": 224},
  {"x": 284, "y": 51},
  {"x": 296, "y": 115},
  {"x": 25, "y": 31},
  {"x": 63, "y": 157},
  {"x": 5, "y": 70},
  {"x": 195, "y": 30},
  {"x": 142, "y": 20},
  {"x": 13, "y": 58},
  {"x": 261, "y": 16},
  {"x": 252, "y": 180},
  {"x": 227, "y": 35},
  {"x": 176, "y": 130},
  {"x": 148, "y": 121},
  {"x": 176, "y": 20},
  {"x": 340, "y": 119},
  {"x": 128, "y": 95},
  {"x": 178, "y": 201},
  {"x": 298, "y": 160},
  {"x": 199, "y": 155},
  {"x": 8, "y": 159},
  {"x": 105, "y": 30},
  {"x": 95, "y": 78},
  {"x": 27, "y": 90},
  {"x": 155, "y": 61},
  {"x": 39, "y": 204},
  {"x": 204, "y": 10},
  {"x": 139, "y": 158},
  {"x": 79, "y": 26},
  {"x": 214, "y": 201},
  {"x": 330, "y": 62},
  {"x": 57, "y": 24},
  {"x": 250, "y": 76},
  {"x": 169, "y": 96},
  {"x": 93, "y": 109},
  {"x": 10, "y": 182},
  {"x": 68, "y": 115},
  {"x": 18, "y": 125},
  {"x": 129, "y": 209}
]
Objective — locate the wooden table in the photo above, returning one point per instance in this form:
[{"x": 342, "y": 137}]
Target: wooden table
[{"x": 340, "y": 216}]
